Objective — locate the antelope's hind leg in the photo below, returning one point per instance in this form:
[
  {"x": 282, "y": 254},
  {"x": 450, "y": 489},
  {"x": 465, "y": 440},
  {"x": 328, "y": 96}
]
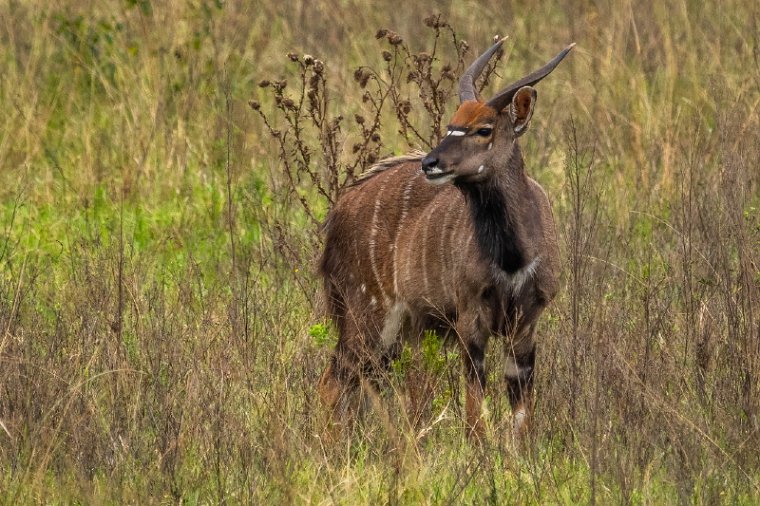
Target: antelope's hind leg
[
  {"x": 338, "y": 391},
  {"x": 352, "y": 368}
]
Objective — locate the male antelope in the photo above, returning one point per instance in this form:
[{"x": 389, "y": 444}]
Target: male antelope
[{"x": 461, "y": 239}]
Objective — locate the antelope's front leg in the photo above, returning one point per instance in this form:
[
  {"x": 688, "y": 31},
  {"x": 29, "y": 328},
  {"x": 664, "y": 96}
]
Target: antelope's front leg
[
  {"x": 519, "y": 365},
  {"x": 474, "y": 340}
]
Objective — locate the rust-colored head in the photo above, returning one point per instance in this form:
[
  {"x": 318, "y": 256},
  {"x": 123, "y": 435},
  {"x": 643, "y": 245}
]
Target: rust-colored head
[
  {"x": 481, "y": 131},
  {"x": 471, "y": 114}
]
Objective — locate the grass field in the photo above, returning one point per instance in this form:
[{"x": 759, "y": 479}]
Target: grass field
[{"x": 160, "y": 326}]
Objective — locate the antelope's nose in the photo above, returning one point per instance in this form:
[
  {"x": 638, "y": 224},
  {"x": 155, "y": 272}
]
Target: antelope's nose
[{"x": 429, "y": 162}]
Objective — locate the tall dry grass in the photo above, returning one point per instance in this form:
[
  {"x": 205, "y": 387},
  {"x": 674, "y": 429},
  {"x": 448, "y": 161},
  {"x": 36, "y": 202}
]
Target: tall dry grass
[{"x": 158, "y": 333}]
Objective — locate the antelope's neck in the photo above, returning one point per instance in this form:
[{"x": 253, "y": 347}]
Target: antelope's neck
[{"x": 496, "y": 209}]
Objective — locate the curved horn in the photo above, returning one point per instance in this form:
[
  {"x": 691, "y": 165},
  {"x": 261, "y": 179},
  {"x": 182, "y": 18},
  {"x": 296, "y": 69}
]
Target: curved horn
[
  {"x": 504, "y": 97},
  {"x": 467, "y": 81}
]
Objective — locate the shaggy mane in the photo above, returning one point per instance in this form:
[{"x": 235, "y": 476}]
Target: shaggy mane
[{"x": 414, "y": 155}]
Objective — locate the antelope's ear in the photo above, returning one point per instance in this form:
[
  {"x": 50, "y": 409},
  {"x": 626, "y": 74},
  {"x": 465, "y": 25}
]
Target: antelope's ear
[{"x": 521, "y": 109}]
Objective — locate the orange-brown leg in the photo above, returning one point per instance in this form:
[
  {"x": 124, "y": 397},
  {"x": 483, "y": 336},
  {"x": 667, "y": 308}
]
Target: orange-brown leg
[
  {"x": 329, "y": 388},
  {"x": 343, "y": 385},
  {"x": 339, "y": 387}
]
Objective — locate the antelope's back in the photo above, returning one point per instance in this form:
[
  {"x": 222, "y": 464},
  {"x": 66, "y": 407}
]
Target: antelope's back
[
  {"x": 361, "y": 225},
  {"x": 364, "y": 230}
]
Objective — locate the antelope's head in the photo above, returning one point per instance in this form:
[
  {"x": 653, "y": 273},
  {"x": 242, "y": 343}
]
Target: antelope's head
[{"x": 481, "y": 131}]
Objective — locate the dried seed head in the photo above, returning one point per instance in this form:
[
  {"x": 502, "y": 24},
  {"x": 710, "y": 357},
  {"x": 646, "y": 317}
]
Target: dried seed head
[
  {"x": 335, "y": 123},
  {"x": 395, "y": 39},
  {"x": 254, "y": 105},
  {"x": 275, "y": 133},
  {"x": 431, "y": 21},
  {"x": 287, "y": 102},
  {"x": 264, "y": 83},
  {"x": 423, "y": 57},
  {"x": 318, "y": 66},
  {"x": 406, "y": 107},
  {"x": 308, "y": 59},
  {"x": 371, "y": 157},
  {"x": 387, "y": 56},
  {"x": 375, "y": 137},
  {"x": 292, "y": 57},
  {"x": 411, "y": 76},
  {"x": 361, "y": 76},
  {"x": 359, "y": 119},
  {"x": 381, "y": 33},
  {"x": 355, "y": 148}
]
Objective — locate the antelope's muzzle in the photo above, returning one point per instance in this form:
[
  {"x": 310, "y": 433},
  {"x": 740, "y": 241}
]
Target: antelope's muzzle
[{"x": 432, "y": 167}]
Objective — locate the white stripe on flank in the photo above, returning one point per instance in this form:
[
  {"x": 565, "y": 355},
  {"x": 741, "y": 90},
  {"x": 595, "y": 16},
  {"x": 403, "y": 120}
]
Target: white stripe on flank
[
  {"x": 459, "y": 254},
  {"x": 372, "y": 235},
  {"x": 424, "y": 249},
  {"x": 442, "y": 259},
  {"x": 469, "y": 239},
  {"x": 404, "y": 208}
]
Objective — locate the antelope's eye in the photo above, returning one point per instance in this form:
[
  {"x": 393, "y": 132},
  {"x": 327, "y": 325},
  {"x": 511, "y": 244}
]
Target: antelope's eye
[{"x": 484, "y": 132}]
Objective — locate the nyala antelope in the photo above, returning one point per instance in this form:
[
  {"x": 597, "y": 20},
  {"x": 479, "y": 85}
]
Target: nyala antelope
[{"x": 460, "y": 240}]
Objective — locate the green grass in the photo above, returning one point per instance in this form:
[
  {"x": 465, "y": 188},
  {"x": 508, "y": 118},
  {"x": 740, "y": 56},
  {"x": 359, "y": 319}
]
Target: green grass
[{"x": 161, "y": 336}]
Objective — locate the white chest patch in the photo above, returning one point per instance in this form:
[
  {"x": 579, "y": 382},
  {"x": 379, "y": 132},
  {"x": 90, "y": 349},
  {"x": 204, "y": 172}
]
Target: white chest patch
[{"x": 519, "y": 278}]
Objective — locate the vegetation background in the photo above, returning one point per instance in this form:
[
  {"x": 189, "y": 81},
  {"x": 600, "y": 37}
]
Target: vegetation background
[{"x": 160, "y": 333}]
